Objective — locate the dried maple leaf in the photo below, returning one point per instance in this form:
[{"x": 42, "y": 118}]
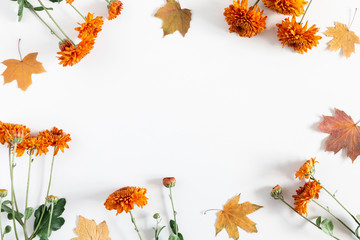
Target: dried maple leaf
[
  {"x": 344, "y": 133},
  {"x": 21, "y": 70},
  {"x": 343, "y": 38},
  {"x": 174, "y": 18},
  {"x": 87, "y": 230},
  {"x": 234, "y": 215}
]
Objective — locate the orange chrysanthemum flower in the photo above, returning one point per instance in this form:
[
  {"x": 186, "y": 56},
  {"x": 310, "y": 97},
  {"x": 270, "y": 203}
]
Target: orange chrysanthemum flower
[
  {"x": 286, "y": 7},
  {"x": 296, "y": 36},
  {"x": 304, "y": 194},
  {"x": 306, "y": 169},
  {"x": 71, "y": 55},
  {"x": 245, "y": 22},
  {"x": 13, "y": 133},
  {"x": 39, "y": 144},
  {"x": 114, "y": 8},
  {"x": 56, "y": 138},
  {"x": 125, "y": 198},
  {"x": 69, "y": 1},
  {"x": 91, "y": 27}
]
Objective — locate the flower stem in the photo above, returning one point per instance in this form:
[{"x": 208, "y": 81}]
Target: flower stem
[
  {"x": 47, "y": 25},
  {"x": 257, "y": 1},
  {"x": 57, "y": 25},
  {"x": 77, "y": 11},
  {"x": 47, "y": 194},
  {"x": 51, "y": 214},
  {"x": 136, "y": 228},
  {"x": 282, "y": 199},
  {"x": 107, "y": 1},
  {"x": 27, "y": 188},
  {"x": 333, "y": 196},
  {"x": 1, "y": 231},
  {"x": 174, "y": 212},
  {"x": 12, "y": 190},
  {"x": 305, "y": 11},
  {"x": 327, "y": 210}
]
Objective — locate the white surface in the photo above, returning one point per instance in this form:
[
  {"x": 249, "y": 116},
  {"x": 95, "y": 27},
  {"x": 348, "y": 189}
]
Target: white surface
[{"x": 223, "y": 114}]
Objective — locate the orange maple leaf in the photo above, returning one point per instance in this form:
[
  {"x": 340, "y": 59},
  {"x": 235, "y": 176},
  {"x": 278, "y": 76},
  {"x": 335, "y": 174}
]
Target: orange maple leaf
[
  {"x": 21, "y": 70},
  {"x": 234, "y": 216},
  {"x": 174, "y": 18},
  {"x": 344, "y": 133}
]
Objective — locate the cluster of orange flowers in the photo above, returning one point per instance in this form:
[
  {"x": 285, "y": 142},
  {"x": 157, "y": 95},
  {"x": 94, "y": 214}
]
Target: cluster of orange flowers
[
  {"x": 20, "y": 135},
  {"x": 248, "y": 22},
  {"x": 310, "y": 190},
  {"x": 70, "y": 53}
]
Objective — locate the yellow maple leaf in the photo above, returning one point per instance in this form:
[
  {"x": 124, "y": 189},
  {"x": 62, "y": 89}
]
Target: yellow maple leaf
[
  {"x": 342, "y": 38},
  {"x": 21, "y": 70},
  {"x": 234, "y": 216},
  {"x": 174, "y": 18},
  {"x": 87, "y": 229}
]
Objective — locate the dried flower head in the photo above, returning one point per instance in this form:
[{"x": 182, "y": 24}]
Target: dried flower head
[
  {"x": 114, "y": 7},
  {"x": 306, "y": 169},
  {"x": 169, "y": 182},
  {"x": 56, "y": 138},
  {"x": 297, "y": 36},
  {"x": 3, "y": 193},
  {"x": 125, "y": 198},
  {"x": 247, "y": 22},
  {"x": 276, "y": 192},
  {"x": 304, "y": 194},
  {"x": 71, "y": 55},
  {"x": 91, "y": 27},
  {"x": 286, "y": 7},
  {"x": 13, "y": 133}
]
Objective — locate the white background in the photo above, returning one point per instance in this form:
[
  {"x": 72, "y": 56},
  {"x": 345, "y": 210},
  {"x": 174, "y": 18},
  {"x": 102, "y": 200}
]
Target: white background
[{"x": 223, "y": 114}]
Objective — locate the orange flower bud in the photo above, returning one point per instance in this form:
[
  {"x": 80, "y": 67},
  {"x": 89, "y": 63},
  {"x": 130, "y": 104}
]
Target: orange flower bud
[
  {"x": 276, "y": 192},
  {"x": 169, "y": 182},
  {"x": 3, "y": 193}
]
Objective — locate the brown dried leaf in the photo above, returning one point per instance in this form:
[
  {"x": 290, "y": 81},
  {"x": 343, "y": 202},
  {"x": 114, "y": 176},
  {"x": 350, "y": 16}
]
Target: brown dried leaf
[
  {"x": 344, "y": 133},
  {"x": 174, "y": 18},
  {"x": 234, "y": 216},
  {"x": 343, "y": 38},
  {"x": 21, "y": 70},
  {"x": 87, "y": 230}
]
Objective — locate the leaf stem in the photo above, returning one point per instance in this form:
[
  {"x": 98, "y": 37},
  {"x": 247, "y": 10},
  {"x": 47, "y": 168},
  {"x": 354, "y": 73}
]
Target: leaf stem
[
  {"x": 78, "y": 11},
  {"x": 19, "y": 50},
  {"x": 206, "y": 211},
  {"x": 350, "y": 27},
  {"x": 51, "y": 215},
  {"x": 333, "y": 196},
  {"x": 327, "y": 210},
  {"x": 12, "y": 190},
  {"x": 282, "y": 199},
  {"x": 27, "y": 189},
  {"x": 136, "y": 228},
  {"x": 57, "y": 25},
  {"x": 47, "y": 25},
  {"x": 174, "y": 212},
  {"x": 305, "y": 11}
]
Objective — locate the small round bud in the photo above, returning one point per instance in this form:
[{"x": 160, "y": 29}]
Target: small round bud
[
  {"x": 52, "y": 199},
  {"x": 276, "y": 192},
  {"x": 3, "y": 193},
  {"x": 156, "y": 216},
  {"x": 169, "y": 182}
]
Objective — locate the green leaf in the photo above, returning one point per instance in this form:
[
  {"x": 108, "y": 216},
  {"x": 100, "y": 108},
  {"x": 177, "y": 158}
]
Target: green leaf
[
  {"x": 357, "y": 232},
  {"x": 318, "y": 221},
  {"x": 21, "y": 8},
  {"x": 7, "y": 229},
  {"x": 41, "y": 8},
  {"x": 327, "y": 226},
  {"x": 358, "y": 217},
  {"x": 8, "y": 210},
  {"x": 180, "y": 236},
  {"x": 28, "y": 212},
  {"x": 173, "y": 237},
  {"x": 174, "y": 226},
  {"x": 56, "y": 221},
  {"x": 55, "y": 1}
]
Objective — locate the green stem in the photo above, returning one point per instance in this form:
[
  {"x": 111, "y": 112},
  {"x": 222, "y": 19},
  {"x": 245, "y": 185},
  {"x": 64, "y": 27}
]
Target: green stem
[
  {"x": 136, "y": 228},
  {"x": 107, "y": 1},
  {"x": 174, "y": 212},
  {"x": 1, "y": 231},
  {"x": 57, "y": 25},
  {"x": 12, "y": 190},
  {"x": 78, "y": 11},
  {"x": 42, "y": 20},
  {"x": 27, "y": 188},
  {"x": 282, "y": 199},
  {"x": 305, "y": 12},
  {"x": 327, "y": 210},
  {"x": 255, "y": 4},
  {"x": 47, "y": 194},
  {"x": 51, "y": 214},
  {"x": 333, "y": 196}
]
